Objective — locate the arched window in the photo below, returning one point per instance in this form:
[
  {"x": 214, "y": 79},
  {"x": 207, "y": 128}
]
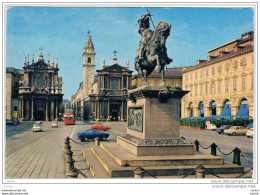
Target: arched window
[
  {"x": 89, "y": 60},
  {"x": 213, "y": 106},
  {"x": 201, "y": 108}
]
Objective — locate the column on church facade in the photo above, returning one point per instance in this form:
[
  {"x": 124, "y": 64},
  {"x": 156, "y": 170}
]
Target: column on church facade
[
  {"x": 108, "y": 110},
  {"x": 22, "y": 102},
  {"x": 100, "y": 111},
  {"x": 32, "y": 109},
  {"x": 57, "y": 109},
  {"x": 46, "y": 112},
  {"x": 122, "y": 111},
  {"x": 97, "y": 109},
  {"x": 52, "y": 110}
]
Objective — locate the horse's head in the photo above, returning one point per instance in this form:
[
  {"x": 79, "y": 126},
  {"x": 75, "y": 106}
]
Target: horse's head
[{"x": 162, "y": 31}]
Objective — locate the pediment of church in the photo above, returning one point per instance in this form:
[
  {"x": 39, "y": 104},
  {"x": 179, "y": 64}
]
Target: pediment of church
[{"x": 114, "y": 68}]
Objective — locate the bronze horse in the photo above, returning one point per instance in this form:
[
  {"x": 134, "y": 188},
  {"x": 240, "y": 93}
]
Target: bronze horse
[{"x": 152, "y": 51}]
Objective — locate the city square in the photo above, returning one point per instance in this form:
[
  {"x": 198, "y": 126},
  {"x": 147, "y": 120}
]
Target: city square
[{"x": 148, "y": 94}]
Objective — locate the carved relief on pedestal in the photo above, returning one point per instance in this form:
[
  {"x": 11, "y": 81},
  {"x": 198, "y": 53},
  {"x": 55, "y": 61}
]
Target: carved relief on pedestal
[{"x": 135, "y": 118}]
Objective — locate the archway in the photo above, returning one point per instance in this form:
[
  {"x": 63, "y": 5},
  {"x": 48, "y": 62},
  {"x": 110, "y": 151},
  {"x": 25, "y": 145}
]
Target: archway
[
  {"x": 226, "y": 108},
  {"x": 243, "y": 111},
  {"x": 213, "y": 108},
  {"x": 190, "y": 110},
  {"x": 201, "y": 109}
]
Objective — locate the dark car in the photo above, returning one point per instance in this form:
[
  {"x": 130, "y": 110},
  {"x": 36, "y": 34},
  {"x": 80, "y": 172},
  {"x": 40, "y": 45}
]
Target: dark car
[
  {"x": 222, "y": 128},
  {"x": 90, "y": 134},
  {"x": 13, "y": 122}
]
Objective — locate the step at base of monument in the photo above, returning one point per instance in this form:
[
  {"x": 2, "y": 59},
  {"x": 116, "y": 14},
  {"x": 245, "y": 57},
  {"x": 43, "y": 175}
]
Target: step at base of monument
[
  {"x": 113, "y": 169},
  {"x": 209, "y": 176},
  {"x": 96, "y": 169},
  {"x": 126, "y": 158}
]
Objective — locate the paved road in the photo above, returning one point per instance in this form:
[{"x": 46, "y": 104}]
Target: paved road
[
  {"x": 225, "y": 143},
  {"x": 40, "y": 154}
]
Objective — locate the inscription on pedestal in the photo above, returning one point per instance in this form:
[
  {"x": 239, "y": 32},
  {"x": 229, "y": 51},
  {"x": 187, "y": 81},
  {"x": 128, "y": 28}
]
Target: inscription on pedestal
[{"x": 135, "y": 118}]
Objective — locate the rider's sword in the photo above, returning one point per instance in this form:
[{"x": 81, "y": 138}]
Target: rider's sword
[{"x": 151, "y": 18}]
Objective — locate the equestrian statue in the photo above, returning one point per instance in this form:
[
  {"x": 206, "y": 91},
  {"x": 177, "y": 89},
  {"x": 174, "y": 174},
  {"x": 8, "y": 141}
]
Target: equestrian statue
[{"x": 152, "y": 51}]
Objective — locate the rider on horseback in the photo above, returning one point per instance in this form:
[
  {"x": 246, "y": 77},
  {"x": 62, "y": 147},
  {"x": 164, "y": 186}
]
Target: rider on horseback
[
  {"x": 146, "y": 33},
  {"x": 152, "y": 51}
]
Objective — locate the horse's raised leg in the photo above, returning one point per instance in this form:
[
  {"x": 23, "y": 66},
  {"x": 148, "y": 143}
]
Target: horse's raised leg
[
  {"x": 158, "y": 63},
  {"x": 141, "y": 73},
  {"x": 163, "y": 81}
]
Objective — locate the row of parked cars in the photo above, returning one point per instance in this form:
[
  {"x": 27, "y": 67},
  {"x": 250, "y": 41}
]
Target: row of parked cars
[{"x": 236, "y": 130}]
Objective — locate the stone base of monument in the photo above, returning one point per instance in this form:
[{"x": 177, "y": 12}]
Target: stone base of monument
[
  {"x": 153, "y": 141},
  {"x": 155, "y": 147},
  {"x": 109, "y": 160}
]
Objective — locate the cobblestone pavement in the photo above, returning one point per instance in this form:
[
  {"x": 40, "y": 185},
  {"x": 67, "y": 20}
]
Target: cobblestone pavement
[{"x": 41, "y": 154}]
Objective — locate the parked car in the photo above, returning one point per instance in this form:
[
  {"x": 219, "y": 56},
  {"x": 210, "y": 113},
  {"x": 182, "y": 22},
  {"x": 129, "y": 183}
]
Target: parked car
[
  {"x": 13, "y": 122},
  {"x": 37, "y": 127},
  {"x": 90, "y": 134},
  {"x": 222, "y": 128},
  {"x": 100, "y": 127},
  {"x": 250, "y": 133},
  {"x": 236, "y": 130},
  {"x": 54, "y": 124},
  {"x": 212, "y": 127}
]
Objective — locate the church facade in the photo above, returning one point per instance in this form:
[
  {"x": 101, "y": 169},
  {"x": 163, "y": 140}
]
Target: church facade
[
  {"x": 102, "y": 96},
  {"x": 40, "y": 91}
]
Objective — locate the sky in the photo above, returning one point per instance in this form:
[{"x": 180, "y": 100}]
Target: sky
[{"x": 62, "y": 32}]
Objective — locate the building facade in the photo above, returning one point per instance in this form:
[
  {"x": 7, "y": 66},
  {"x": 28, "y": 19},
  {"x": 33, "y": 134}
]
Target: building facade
[
  {"x": 225, "y": 80},
  {"x": 13, "y": 76},
  {"x": 40, "y": 91},
  {"x": 173, "y": 77},
  {"x": 101, "y": 97}
]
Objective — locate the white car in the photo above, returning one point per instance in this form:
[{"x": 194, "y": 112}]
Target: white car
[
  {"x": 250, "y": 133},
  {"x": 54, "y": 124},
  {"x": 37, "y": 127},
  {"x": 212, "y": 127}
]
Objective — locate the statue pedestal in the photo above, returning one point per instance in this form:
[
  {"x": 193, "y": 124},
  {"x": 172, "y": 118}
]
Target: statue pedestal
[{"x": 153, "y": 123}]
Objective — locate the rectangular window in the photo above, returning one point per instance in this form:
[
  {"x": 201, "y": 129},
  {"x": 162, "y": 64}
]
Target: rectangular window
[
  {"x": 201, "y": 73},
  {"x": 156, "y": 82},
  {"x": 196, "y": 74},
  {"x": 235, "y": 64},
  {"x": 212, "y": 88},
  {"x": 243, "y": 62},
  {"x": 206, "y": 89},
  {"x": 196, "y": 90},
  {"x": 190, "y": 91},
  {"x": 213, "y": 70},
  {"x": 219, "y": 68},
  {"x": 227, "y": 66},
  {"x": 227, "y": 85},
  {"x": 234, "y": 84},
  {"x": 201, "y": 88},
  {"x": 243, "y": 83},
  {"x": 207, "y": 71}
]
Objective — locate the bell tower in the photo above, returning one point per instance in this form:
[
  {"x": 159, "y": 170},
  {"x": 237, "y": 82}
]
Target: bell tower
[{"x": 88, "y": 65}]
